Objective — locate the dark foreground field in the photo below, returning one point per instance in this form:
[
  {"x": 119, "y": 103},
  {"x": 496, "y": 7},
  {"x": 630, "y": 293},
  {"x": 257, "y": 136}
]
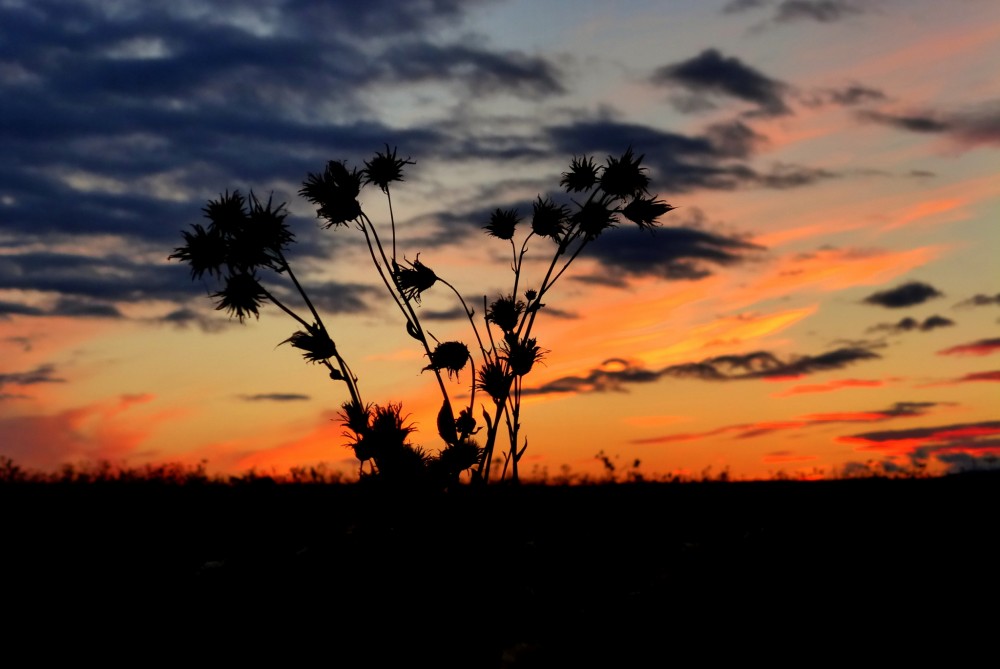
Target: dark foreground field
[{"x": 614, "y": 575}]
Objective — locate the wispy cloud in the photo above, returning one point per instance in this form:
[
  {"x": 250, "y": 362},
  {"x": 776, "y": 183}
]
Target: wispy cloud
[
  {"x": 979, "y": 347},
  {"x": 753, "y": 430},
  {"x": 275, "y": 397},
  {"x": 831, "y": 386},
  {"x": 980, "y": 300},
  {"x": 960, "y": 446},
  {"x": 711, "y": 74},
  {"x": 40, "y": 374},
  {"x": 615, "y": 373},
  {"x": 911, "y": 324}
]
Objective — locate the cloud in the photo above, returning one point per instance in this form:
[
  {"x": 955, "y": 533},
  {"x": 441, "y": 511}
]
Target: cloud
[
  {"x": 712, "y": 74},
  {"x": 975, "y": 126},
  {"x": 669, "y": 252},
  {"x": 938, "y": 433},
  {"x": 194, "y": 98},
  {"x": 960, "y": 446},
  {"x": 275, "y": 397},
  {"x": 106, "y": 430},
  {"x": 762, "y": 364},
  {"x": 738, "y": 6},
  {"x": 684, "y": 163},
  {"x": 905, "y": 295},
  {"x": 831, "y": 386},
  {"x": 972, "y": 377},
  {"x": 615, "y": 373},
  {"x": 847, "y": 96},
  {"x": 40, "y": 374},
  {"x": 980, "y": 347},
  {"x": 913, "y": 123},
  {"x": 980, "y": 300},
  {"x": 822, "y": 11},
  {"x": 483, "y": 72},
  {"x": 763, "y": 428},
  {"x": 910, "y": 324}
]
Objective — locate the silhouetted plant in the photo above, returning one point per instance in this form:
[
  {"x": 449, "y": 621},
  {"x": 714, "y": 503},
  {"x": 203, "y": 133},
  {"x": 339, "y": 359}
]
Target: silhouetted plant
[{"x": 246, "y": 240}]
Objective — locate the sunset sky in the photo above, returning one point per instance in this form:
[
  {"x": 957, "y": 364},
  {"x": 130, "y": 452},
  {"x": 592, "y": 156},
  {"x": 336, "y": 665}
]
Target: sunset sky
[{"x": 826, "y": 293}]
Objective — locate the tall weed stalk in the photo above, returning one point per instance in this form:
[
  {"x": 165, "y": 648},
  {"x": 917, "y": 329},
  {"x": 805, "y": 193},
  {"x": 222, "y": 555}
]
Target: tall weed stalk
[{"x": 246, "y": 240}]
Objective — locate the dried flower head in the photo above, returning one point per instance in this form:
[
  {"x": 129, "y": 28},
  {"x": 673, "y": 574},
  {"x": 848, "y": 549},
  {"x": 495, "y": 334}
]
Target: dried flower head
[
  {"x": 384, "y": 168},
  {"x": 594, "y": 218},
  {"x": 413, "y": 280},
  {"x": 242, "y": 296},
  {"x": 315, "y": 344},
  {"x": 502, "y": 223},
  {"x": 266, "y": 224},
  {"x": 336, "y": 192},
  {"x": 581, "y": 177},
  {"x": 457, "y": 457},
  {"x": 644, "y": 211},
  {"x": 451, "y": 356},
  {"x": 521, "y": 354},
  {"x": 624, "y": 177},
  {"x": 505, "y": 311},
  {"x": 547, "y": 218},
  {"x": 227, "y": 214},
  {"x": 355, "y": 417},
  {"x": 204, "y": 250},
  {"x": 494, "y": 379}
]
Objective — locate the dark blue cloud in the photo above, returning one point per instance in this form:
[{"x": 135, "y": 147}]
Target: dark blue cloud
[
  {"x": 711, "y": 73},
  {"x": 668, "y": 252},
  {"x": 904, "y": 295}
]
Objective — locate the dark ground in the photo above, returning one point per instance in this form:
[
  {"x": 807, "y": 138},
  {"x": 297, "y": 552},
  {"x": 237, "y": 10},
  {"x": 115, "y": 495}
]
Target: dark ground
[{"x": 614, "y": 575}]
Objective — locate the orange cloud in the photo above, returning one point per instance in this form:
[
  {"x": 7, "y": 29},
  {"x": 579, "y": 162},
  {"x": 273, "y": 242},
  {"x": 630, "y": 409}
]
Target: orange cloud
[
  {"x": 751, "y": 430},
  {"x": 101, "y": 431},
  {"x": 831, "y": 386},
  {"x": 969, "y": 438},
  {"x": 787, "y": 456},
  {"x": 931, "y": 209},
  {"x": 981, "y": 347},
  {"x": 838, "y": 269},
  {"x": 972, "y": 377}
]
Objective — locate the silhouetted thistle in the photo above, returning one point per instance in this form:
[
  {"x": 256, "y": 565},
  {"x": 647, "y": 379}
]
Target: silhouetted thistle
[
  {"x": 335, "y": 191},
  {"x": 315, "y": 344},
  {"x": 415, "y": 279},
  {"x": 247, "y": 236},
  {"x": 260, "y": 238},
  {"x": 521, "y": 354},
  {"x": 547, "y": 219},
  {"x": 624, "y": 177},
  {"x": 644, "y": 211},
  {"x": 502, "y": 224},
  {"x": 494, "y": 379},
  {"x": 228, "y": 214},
  {"x": 594, "y": 218},
  {"x": 356, "y": 417},
  {"x": 581, "y": 177},
  {"x": 204, "y": 250},
  {"x": 241, "y": 297},
  {"x": 384, "y": 168},
  {"x": 451, "y": 356},
  {"x": 456, "y": 458},
  {"x": 266, "y": 224},
  {"x": 505, "y": 312},
  {"x": 465, "y": 423}
]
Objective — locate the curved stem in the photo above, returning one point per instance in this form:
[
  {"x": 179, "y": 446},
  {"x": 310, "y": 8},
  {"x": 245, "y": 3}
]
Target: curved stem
[
  {"x": 468, "y": 313},
  {"x": 392, "y": 220},
  {"x": 281, "y": 306}
]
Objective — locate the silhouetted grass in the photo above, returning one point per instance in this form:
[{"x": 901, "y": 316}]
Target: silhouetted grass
[{"x": 557, "y": 575}]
